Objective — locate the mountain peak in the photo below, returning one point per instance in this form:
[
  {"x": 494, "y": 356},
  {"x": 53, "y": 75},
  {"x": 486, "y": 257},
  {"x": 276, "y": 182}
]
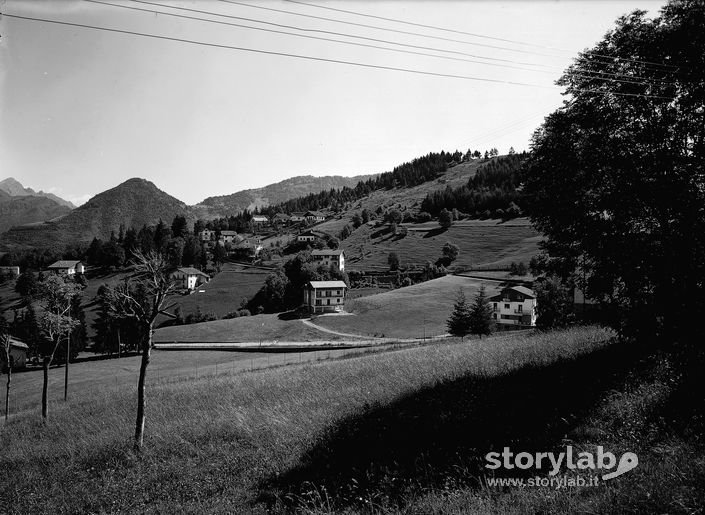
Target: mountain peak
[{"x": 14, "y": 188}]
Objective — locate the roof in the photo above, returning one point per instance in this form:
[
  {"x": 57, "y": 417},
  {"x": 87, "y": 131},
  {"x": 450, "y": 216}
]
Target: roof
[
  {"x": 259, "y": 217},
  {"x": 191, "y": 271},
  {"x": 64, "y": 264},
  {"x": 328, "y": 284},
  {"x": 281, "y": 215},
  {"x": 520, "y": 289},
  {"x": 327, "y": 252},
  {"x": 314, "y": 213},
  {"x": 298, "y": 213},
  {"x": 526, "y": 291},
  {"x": 228, "y": 233},
  {"x": 14, "y": 342}
]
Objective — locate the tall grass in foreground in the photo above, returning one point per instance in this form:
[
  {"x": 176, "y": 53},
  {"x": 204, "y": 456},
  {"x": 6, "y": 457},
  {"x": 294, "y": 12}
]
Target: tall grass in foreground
[{"x": 247, "y": 443}]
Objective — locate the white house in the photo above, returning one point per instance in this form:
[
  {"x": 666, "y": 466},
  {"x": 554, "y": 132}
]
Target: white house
[
  {"x": 306, "y": 236},
  {"x": 11, "y": 271},
  {"x": 206, "y": 235},
  {"x": 325, "y": 296},
  {"x": 67, "y": 267},
  {"x": 188, "y": 278},
  {"x": 315, "y": 217},
  {"x": 328, "y": 257},
  {"x": 18, "y": 354},
  {"x": 514, "y": 305},
  {"x": 260, "y": 220},
  {"x": 228, "y": 236}
]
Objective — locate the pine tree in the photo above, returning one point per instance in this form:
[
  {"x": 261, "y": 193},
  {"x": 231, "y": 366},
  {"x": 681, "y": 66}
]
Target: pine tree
[
  {"x": 459, "y": 321},
  {"x": 480, "y": 319}
]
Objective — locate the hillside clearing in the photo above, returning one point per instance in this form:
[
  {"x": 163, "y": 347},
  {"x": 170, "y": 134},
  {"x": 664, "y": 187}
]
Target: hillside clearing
[
  {"x": 265, "y": 328},
  {"x": 482, "y": 243},
  {"x": 416, "y": 311},
  {"x": 218, "y": 444}
]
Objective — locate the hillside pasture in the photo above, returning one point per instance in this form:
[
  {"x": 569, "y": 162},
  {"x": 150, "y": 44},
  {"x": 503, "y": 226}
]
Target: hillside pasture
[
  {"x": 416, "y": 311},
  {"x": 482, "y": 243},
  {"x": 250, "y": 329},
  {"x": 372, "y": 434},
  {"x": 224, "y": 293}
]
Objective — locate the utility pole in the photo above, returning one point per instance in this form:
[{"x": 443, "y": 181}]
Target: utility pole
[{"x": 68, "y": 358}]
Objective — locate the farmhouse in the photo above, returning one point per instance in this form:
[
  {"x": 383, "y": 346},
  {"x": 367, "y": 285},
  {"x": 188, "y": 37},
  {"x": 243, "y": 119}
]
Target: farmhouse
[
  {"x": 18, "y": 354},
  {"x": 515, "y": 306},
  {"x": 325, "y": 296},
  {"x": 281, "y": 219},
  {"x": 306, "y": 236},
  {"x": 188, "y": 278},
  {"x": 206, "y": 235},
  {"x": 297, "y": 216},
  {"x": 315, "y": 217},
  {"x": 67, "y": 267},
  {"x": 329, "y": 257},
  {"x": 228, "y": 236},
  {"x": 10, "y": 271},
  {"x": 260, "y": 220}
]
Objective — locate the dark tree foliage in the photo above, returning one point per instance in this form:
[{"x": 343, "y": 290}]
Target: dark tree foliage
[
  {"x": 493, "y": 187},
  {"x": 554, "y": 302},
  {"x": 459, "y": 321},
  {"x": 480, "y": 320},
  {"x": 615, "y": 179}
]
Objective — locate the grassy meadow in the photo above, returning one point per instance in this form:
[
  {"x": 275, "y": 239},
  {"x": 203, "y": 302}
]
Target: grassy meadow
[
  {"x": 224, "y": 293},
  {"x": 400, "y": 431},
  {"x": 481, "y": 242},
  {"x": 266, "y": 328},
  {"x": 411, "y": 312}
]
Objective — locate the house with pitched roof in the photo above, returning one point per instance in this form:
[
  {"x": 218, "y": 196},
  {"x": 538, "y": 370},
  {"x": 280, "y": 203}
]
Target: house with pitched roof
[
  {"x": 330, "y": 257},
  {"x": 325, "y": 296},
  {"x": 18, "y": 354},
  {"x": 315, "y": 217},
  {"x": 67, "y": 267},
  {"x": 189, "y": 278},
  {"x": 514, "y": 306}
]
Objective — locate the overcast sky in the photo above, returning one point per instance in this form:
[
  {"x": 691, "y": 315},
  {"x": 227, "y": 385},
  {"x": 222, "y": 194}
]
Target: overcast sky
[{"x": 82, "y": 110}]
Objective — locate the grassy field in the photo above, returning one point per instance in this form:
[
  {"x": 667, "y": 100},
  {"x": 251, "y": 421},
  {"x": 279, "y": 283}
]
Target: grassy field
[
  {"x": 412, "y": 312},
  {"x": 395, "y": 432},
  {"x": 265, "y": 328},
  {"x": 481, "y": 243},
  {"x": 225, "y": 291},
  {"x": 221, "y": 443}
]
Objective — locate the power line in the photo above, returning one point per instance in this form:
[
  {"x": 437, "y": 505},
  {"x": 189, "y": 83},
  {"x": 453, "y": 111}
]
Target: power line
[
  {"x": 377, "y": 40},
  {"x": 282, "y": 54},
  {"x": 320, "y": 59},
  {"x": 433, "y": 37},
  {"x": 297, "y": 35},
  {"x": 434, "y": 27},
  {"x": 631, "y": 80}
]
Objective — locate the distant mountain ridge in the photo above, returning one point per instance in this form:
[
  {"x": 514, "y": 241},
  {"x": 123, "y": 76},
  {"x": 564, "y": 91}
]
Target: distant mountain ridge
[
  {"x": 279, "y": 192},
  {"x": 20, "y": 206},
  {"x": 14, "y": 188},
  {"x": 133, "y": 203}
]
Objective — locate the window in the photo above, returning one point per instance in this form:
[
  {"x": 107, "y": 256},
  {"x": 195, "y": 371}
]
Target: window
[
  {"x": 494, "y": 316},
  {"x": 494, "y": 306},
  {"x": 506, "y": 306},
  {"x": 337, "y": 293},
  {"x": 520, "y": 308},
  {"x": 318, "y": 302},
  {"x": 319, "y": 293},
  {"x": 328, "y": 302}
]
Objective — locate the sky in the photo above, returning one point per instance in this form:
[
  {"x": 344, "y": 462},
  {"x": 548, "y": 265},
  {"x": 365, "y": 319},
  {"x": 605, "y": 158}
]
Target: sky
[{"x": 82, "y": 109}]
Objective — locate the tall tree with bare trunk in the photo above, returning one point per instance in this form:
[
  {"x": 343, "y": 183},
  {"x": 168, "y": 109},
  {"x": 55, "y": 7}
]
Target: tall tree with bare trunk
[
  {"x": 6, "y": 362},
  {"x": 56, "y": 293},
  {"x": 142, "y": 298}
]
